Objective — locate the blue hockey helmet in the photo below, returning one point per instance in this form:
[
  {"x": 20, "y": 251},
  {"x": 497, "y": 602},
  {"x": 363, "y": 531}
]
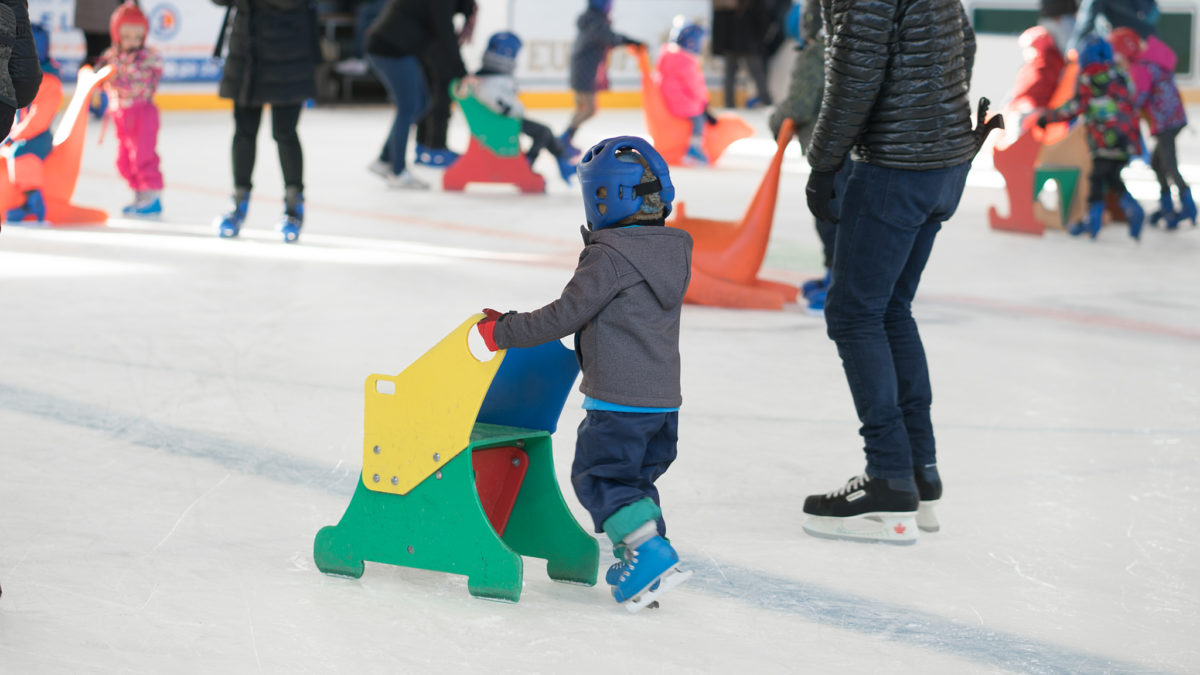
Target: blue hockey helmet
[
  {"x": 41, "y": 41},
  {"x": 611, "y": 175},
  {"x": 501, "y": 54},
  {"x": 1094, "y": 49},
  {"x": 602, "y": 5},
  {"x": 689, "y": 36}
]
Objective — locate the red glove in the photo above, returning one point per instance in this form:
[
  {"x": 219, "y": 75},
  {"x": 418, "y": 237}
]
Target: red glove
[{"x": 487, "y": 328}]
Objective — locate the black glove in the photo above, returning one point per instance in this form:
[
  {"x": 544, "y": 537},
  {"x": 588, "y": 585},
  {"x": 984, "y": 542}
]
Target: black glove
[
  {"x": 1042, "y": 120},
  {"x": 820, "y": 195},
  {"x": 982, "y": 128},
  {"x": 709, "y": 117}
]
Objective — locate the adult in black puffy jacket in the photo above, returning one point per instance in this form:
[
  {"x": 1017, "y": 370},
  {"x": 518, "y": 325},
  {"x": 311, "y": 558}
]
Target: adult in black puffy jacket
[
  {"x": 20, "y": 74},
  {"x": 273, "y": 52},
  {"x": 896, "y": 80}
]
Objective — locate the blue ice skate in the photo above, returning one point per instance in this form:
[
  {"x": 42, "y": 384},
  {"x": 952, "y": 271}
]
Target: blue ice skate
[
  {"x": 813, "y": 285},
  {"x": 148, "y": 208},
  {"x": 566, "y": 169},
  {"x": 1134, "y": 215},
  {"x": 816, "y": 302},
  {"x": 34, "y": 206},
  {"x": 695, "y": 156},
  {"x": 570, "y": 150},
  {"x": 646, "y": 573},
  {"x": 230, "y": 224},
  {"x": 292, "y": 220},
  {"x": 1166, "y": 212},
  {"x": 1187, "y": 206}
]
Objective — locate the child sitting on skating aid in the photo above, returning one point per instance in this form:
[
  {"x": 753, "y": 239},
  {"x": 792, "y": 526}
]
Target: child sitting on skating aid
[
  {"x": 623, "y": 306},
  {"x": 680, "y": 76},
  {"x": 1105, "y": 100},
  {"x": 589, "y": 58},
  {"x": 137, "y": 70},
  {"x": 1152, "y": 67},
  {"x": 496, "y": 88},
  {"x": 30, "y": 141}
]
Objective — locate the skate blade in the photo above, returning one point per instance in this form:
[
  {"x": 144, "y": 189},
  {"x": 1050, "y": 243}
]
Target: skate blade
[
  {"x": 649, "y": 598},
  {"x": 927, "y": 520},
  {"x": 887, "y": 528}
]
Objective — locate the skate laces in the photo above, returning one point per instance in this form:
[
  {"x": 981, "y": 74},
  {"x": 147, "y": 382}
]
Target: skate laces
[{"x": 850, "y": 486}]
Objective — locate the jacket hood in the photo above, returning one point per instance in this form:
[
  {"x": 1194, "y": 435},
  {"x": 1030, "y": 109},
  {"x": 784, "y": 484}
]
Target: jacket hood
[
  {"x": 591, "y": 17},
  {"x": 1158, "y": 52},
  {"x": 662, "y": 255}
]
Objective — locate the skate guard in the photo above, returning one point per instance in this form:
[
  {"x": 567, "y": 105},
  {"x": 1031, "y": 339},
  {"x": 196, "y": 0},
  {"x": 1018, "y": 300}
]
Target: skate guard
[
  {"x": 886, "y": 527},
  {"x": 458, "y": 474}
]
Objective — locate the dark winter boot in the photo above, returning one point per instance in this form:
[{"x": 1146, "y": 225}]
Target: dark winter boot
[
  {"x": 1134, "y": 214},
  {"x": 929, "y": 487}
]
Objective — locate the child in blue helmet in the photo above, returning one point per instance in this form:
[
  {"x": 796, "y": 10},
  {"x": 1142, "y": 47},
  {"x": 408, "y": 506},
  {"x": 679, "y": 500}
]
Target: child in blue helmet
[
  {"x": 623, "y": 306},
  {"x": 681, "y": 78},
  {"x": 1104, "y": 97},
  {"x": 496, "y": 88},
  {"x": 589, "y": 57}
]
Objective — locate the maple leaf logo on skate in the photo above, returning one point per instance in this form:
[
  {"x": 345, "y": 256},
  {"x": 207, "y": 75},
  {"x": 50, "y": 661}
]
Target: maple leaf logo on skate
[{"x": 899, "y": 528}]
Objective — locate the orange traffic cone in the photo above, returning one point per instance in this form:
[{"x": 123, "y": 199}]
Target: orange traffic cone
[
  {"x": 61, "y": 167},
  {"x": 727, "y": 256}
]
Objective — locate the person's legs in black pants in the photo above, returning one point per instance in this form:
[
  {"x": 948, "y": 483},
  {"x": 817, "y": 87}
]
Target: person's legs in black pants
[
  {"x": 284, "y": 119},
  {"x": 246, "y": 120},
  {"x": 543, "y": 139}
]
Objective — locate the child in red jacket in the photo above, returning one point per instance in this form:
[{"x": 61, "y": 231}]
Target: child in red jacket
[{"x": 681, "y": 78}]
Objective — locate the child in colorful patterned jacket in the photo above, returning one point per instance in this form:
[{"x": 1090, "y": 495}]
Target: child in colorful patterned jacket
[
  {"x": 1105, "y": 99},
  {"x": 137, "y": 71},
  {"x": 1151, "y": 63}
]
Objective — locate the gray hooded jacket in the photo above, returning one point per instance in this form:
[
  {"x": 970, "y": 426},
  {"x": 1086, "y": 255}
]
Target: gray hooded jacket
[{"x": 623, "y": 305}]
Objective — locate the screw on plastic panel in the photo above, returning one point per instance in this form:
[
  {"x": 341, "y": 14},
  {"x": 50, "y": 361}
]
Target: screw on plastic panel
[
  {"x": 520, "y": 443},
  {"x": 395, "y": 480},
  {"x": 375, "y": 478},
  {"x": 437, "y": 475},
  {"x": 376, "y": 449},
  {"x": 437, "y": 457},
  {"x": 516, "y": 461},
  {"x": 410, "y": 549}
]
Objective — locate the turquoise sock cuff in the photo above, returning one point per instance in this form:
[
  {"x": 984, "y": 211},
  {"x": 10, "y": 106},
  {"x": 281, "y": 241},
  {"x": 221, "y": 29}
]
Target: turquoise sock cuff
[{"x": 629, "y": 518}]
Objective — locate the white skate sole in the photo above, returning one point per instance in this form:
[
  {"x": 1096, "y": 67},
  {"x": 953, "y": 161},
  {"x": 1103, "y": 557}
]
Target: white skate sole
[
  {"x": 927, "y": 519},
  {"x": 888, "y": 527},
  {"x": 649, "y": 598}
]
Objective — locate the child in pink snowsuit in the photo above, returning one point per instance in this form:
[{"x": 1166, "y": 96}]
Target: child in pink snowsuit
[
  {"x": 681, "y": 79},
  {"x": 131, "y": 88}
]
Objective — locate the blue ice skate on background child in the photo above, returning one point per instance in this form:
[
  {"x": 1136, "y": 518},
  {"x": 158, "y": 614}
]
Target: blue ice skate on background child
[{"x": 623, "y": 306}]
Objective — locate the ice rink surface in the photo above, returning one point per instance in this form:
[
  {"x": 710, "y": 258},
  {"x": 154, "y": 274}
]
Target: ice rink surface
[{"x": 179, "y": 415}]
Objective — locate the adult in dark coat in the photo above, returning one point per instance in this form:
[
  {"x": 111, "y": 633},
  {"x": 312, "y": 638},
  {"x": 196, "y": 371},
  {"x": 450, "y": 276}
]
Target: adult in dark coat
[
  {"x": 273, "y": 53},
  {"x": 405, "y": 32},
  {"x": 908, "y": 121},
  {"x": 20, "y": 74},
  {"x": 431, "y": 129},
  {"x": 739, "y": 34}
]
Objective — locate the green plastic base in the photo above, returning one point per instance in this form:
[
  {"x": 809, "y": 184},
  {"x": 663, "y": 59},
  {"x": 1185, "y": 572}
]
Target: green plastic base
[{"x": 440, "y": 525}]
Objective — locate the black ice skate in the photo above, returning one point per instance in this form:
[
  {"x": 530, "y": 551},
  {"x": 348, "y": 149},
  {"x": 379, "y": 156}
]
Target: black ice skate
[
  {"x": 929, "y": 487},
  {"x": 866, "y": 509}
]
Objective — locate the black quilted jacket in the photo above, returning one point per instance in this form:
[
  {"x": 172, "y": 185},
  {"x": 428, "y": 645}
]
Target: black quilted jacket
[{"x": 896, "y": 79}]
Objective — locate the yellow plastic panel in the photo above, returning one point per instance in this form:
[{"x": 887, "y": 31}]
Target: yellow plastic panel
[{"x": 419, "y": 420}]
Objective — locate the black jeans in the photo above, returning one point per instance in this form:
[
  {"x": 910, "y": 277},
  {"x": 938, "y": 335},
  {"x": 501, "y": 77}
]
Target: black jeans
[
  {"x": 542, "y": 138},
  {"x": 284, "y": 118},
  {"x": 1106, "y": 175}
]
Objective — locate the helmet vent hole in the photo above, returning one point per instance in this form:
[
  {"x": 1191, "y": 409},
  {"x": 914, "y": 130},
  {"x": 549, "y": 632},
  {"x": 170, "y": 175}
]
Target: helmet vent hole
[
  {"x": 602, "y": 208},
  {"x": 602, "y": 192}
]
